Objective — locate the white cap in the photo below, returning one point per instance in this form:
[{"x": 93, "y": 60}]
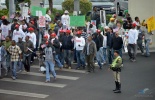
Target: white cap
[{"x": 66, "y": 12}]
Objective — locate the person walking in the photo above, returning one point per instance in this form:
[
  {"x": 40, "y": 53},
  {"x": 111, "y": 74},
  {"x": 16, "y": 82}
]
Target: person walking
[
  {"x": 79, "y": 44},
  {"x": 56, "y": 44},
  {"x": 15, "y": 53},
  {"x": 28, "y": 49},
  {"x": 90, "y": 53},
  {"x": 49, "y": 61},
  {"x": 140, "y": 40},
  {"x": 132, "y": 42},
  {"x": 116, "y": 68},
  {"x": 67, "y": 48}
]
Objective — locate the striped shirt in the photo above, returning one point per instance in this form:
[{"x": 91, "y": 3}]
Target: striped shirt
[{"x": 84, "y": 35}]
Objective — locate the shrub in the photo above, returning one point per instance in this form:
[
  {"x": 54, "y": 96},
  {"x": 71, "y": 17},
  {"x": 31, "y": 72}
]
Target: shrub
[
  {"x": 4, "y": 12},
  {"x": 85, "y": 6}
]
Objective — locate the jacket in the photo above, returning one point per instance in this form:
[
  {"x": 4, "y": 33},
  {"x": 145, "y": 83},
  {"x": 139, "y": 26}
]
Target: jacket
[
  {"x": 116, "y": 64},
  {"x": 98, "y": 39},
  {"x": 21, "y": 45},
  {"x": 56, "y": 45},
  {"x": 92, "y": 48},
  {"x": 28, "y": 44},
  {"x": 109, "y": 39},
  {"x": 67, "y": 43},
  {"x": 117, "y": 43}
]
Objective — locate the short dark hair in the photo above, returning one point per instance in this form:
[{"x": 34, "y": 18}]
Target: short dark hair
[
  {"x": 136, "y": 18},
  {"x": 116, "y": 51}
]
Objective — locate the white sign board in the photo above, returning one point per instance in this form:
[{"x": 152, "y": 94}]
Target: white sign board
[
  {"x": 25, "y": 11},
  {"x": 103, "y": 18}
]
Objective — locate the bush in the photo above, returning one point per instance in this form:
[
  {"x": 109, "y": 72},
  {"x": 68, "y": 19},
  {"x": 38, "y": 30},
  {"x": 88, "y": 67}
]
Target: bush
[
  {"x": 85, "y": 6},
  {"x": 4, "y": 12}
]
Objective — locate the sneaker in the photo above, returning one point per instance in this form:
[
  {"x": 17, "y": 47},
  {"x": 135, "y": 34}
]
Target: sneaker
[
  {"x": 55, "y": 78},
  {"x": 122, "y": 65},
  {"x": 19, "y": 71},
  {"x": 133, "y": 60},
  {"x": 14, "y": 78},
  {"x": 69, "y": 67},
  {"x": 77, "y": 68},
  {"x": 47, "y": 81}
]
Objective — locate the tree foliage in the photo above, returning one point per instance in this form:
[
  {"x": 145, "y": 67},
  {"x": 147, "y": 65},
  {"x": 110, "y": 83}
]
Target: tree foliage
[{"x": 85, "y": 6}]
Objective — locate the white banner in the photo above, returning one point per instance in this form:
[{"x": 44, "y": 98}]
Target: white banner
[{"x": 25, "y": 11}]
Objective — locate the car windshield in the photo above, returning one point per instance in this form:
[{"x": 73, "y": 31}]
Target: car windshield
[
  {"x": 55, "y": 2},
  {"x": 101, "y": 0}
]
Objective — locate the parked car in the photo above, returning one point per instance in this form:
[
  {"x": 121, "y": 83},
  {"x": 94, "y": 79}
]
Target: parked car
[
  {"x": 107, "y": 5},
  {"x": 121, "y": 5}
]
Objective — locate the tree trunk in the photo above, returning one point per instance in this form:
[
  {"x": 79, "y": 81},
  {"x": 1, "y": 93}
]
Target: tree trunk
[{"x": 50, "y": 5}]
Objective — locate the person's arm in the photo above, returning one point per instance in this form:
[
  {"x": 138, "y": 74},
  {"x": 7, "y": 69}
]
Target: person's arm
[
  {"x": 83, "y": 42},
  {"x": 95, "y": 49},
  {"x": 34, "y": 40}
]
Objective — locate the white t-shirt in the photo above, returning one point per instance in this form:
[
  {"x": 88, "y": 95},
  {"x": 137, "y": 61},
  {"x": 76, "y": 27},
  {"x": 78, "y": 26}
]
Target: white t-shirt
[
  {"x": 5, "y": 30},
  {"x": 79, "y": 41},
  {"x": 132, "y": 36},
  {"x": 137, "y": 23},
  {"x": 32, "y": 38},
  {"x": 104, "y": 41},
  {"x": 22, "y": 26},
  {"x": 18, "y": 34},
  {"x": 47, "y": 17},
  {"x": 65, "y": 20}
]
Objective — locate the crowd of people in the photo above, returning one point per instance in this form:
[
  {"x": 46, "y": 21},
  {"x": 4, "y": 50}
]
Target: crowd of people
[{"x": 60, "y": 45}]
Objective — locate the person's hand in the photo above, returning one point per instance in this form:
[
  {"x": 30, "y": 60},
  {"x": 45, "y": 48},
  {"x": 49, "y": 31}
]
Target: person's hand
[{"x": 79, "y": 45}]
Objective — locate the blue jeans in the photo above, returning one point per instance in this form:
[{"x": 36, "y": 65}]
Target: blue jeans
[
  {"x": 110, "y": 56},
  {"x": 58, "y": 61},
  {"x": 14, "y": 68},
  {"x": 20, "y": 65},
  {"x": 104, "y": 55},
  {"x": 80, "y": 58},
  {"x": 147, "y": 43},
  {"x": 8, "y": 64},
  {"x": 67, "y": 57},
  {"x": 49, "y": 68},
  {"x": 99, "y": 57},
  {"x": 61, "y": 57}
]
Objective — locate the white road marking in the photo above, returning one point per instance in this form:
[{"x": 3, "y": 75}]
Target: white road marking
[
  {"x": 67, "y": 70},
  {"x": 58, "y": 76},
  {"x": 26, "y": 94},
  {"x": 34, "y": 82}
]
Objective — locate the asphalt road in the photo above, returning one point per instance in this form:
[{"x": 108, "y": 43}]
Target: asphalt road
[{"x": 138, "y": 83}]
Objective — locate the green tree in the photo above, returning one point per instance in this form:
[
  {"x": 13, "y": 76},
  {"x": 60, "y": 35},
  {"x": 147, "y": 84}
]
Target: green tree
[
  {"x": 85, "y": 6},
  {"x": 51, "y": 5}
]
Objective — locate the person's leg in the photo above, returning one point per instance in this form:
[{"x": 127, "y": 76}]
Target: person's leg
[
  {"x": 88, "y": 63},
  {"x": 82, "y": 58},
  {"x": 139, "y": 43},
  {"x": 69, "y": 58},
  {"x": 28, "y": 63},
  {"x": 78, "y": 59},
  {"x": 109, "y": 55},
  {"x": 75, "y": 58},
  {"x": 8, "y": 62},
  {"x": 118, "y": 83},
  {"x": 134, "y": 47},
  {"x": 98, "y": 59},
  {"x": 129, "y": 51},
  {"x": 105, "y": 55},
  {"x": 58, "y": 61},
  {"x": 65, "y": 57},
  {"x": 47, "y": 71},
  {"x": 52, "y": 69},
  {"x": 92, "y": 62},
  {"x": 0, "y": 68},
  {"x": 14, "y": 66},
  {"x": 61, "y": 58},
  {"x": 147, "y": 47}
]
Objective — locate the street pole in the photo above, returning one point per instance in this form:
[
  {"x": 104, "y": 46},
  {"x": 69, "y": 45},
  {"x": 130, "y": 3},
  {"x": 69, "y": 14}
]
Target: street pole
[
  {"x": 77, "y": 6},
  {"x": 11, "y": 8}
]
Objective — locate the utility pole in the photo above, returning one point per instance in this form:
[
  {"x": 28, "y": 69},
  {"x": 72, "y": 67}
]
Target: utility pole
[
  {"x": 77, "y": 6},
  {"x": 11, "y": 8}
]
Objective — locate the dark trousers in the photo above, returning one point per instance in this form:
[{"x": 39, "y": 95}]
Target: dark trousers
[
  {"x": 140, "y": 46},
  {"x": 90, "y": 62},
  {"x": 26, "y": 62},
  {"x": 132, "y": 47}
]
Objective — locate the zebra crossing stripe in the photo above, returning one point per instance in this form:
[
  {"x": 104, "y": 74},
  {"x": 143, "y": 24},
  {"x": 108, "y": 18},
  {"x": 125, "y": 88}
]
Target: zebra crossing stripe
[
  {"x": 66, "y": 70},
  {"x": 34, "y": 82},
  {"x": 58, "y": 76},
  {"x": 26, "y": 94}
]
